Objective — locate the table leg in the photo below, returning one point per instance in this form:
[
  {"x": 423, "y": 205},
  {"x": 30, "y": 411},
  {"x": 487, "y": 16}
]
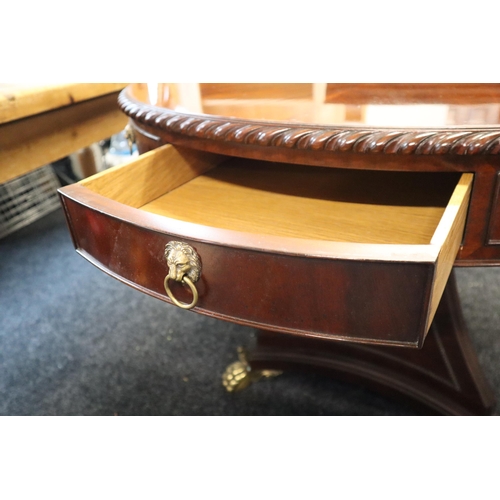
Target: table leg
[{"x": 443, "y": 377}]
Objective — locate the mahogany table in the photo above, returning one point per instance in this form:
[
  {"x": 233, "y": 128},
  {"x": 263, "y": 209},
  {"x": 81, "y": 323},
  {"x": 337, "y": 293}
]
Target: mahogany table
[{"x": 328, "y": 216}]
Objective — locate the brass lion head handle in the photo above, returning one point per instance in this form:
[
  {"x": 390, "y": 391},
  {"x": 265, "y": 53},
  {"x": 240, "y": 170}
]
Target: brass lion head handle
[{"x": 184, "y": 266}]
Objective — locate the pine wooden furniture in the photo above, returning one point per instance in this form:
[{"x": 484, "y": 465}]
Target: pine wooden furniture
[
  {"x": 41, "y": 124},
  {"x": 327, "y": 216}
]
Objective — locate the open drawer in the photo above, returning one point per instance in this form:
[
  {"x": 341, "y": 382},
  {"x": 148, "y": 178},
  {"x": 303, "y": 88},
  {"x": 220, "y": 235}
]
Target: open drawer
[{"x": 361, "y": 256}]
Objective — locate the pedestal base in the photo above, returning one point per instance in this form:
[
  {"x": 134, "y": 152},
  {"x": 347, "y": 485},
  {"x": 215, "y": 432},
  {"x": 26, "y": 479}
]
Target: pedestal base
[{"x": 444, "y": 377}]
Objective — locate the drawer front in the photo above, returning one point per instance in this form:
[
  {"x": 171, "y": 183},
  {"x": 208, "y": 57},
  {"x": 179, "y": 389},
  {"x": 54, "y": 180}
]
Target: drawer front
[
  {"x": 364, "y": 301},
  {"x": 346, "y": 255}
]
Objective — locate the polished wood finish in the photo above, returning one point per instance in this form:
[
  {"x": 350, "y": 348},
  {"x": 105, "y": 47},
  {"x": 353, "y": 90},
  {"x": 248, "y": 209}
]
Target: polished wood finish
[
  {"x": 363, "y": 301},
  {"x": 254, "y": 91},
  {"x": 404, "y": 127},
  {"x": 493, "y": 237},
  {"x": 428, "y": 93},
  {"x": 277, "y": 273},
  {"x": 251, "y": 137},
  {"x": 29, "y": 141},
  {"x": 444, "y": 377}
]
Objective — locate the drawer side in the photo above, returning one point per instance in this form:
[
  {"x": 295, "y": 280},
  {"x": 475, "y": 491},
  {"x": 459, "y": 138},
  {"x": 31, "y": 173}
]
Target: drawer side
[
  {"x": 448, "y": 237},
  {"x": 151, "y": 175}
]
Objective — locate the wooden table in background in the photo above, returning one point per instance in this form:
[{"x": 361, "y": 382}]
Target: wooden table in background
[{"x": 42, "y": 124}]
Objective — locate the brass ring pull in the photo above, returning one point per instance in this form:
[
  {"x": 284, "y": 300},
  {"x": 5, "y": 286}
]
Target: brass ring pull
[
  {"x": 186, "y": 280},
  {"x": 185, "y": 267}
]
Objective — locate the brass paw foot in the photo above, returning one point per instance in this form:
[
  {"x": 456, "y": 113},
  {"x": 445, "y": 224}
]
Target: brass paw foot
[{"x": 239, "y": 375}]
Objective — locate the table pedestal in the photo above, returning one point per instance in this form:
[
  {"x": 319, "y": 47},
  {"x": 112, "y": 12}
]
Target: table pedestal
[{"x": 444, "y": 377}]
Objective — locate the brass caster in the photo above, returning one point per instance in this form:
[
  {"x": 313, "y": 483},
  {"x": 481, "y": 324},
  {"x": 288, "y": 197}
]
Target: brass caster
[{"x": 239, "y": 375}]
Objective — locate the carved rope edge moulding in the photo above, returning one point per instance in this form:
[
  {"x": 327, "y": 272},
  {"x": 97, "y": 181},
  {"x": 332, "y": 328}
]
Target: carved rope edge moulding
[{"x": 422, "y": 141}]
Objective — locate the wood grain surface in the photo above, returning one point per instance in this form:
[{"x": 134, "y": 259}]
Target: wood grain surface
[
  {"x": 151, "y": 175},
  {"x": 22, "y": 100},
  {"x": 448, "y": 237},
  {"x": 312, "y": 203},
  {"x": 37, "y": 140}
]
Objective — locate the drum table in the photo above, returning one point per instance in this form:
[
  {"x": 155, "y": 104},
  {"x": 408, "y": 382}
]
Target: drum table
[{"x": 327, "y": 216}]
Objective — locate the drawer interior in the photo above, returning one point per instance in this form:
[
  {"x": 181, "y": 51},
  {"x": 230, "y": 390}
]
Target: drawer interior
[
  {"x": 283, "y": 199},
  {"x": 312, "y": 202},
  {"x": 278, "y": 199}
]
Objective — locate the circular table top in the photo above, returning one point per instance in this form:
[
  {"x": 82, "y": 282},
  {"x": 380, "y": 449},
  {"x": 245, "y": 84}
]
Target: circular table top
[{"x": 462, "y": 119}]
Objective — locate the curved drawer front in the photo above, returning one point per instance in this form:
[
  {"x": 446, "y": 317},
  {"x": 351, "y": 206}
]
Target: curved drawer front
[{"x": 269, "y": 277}]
